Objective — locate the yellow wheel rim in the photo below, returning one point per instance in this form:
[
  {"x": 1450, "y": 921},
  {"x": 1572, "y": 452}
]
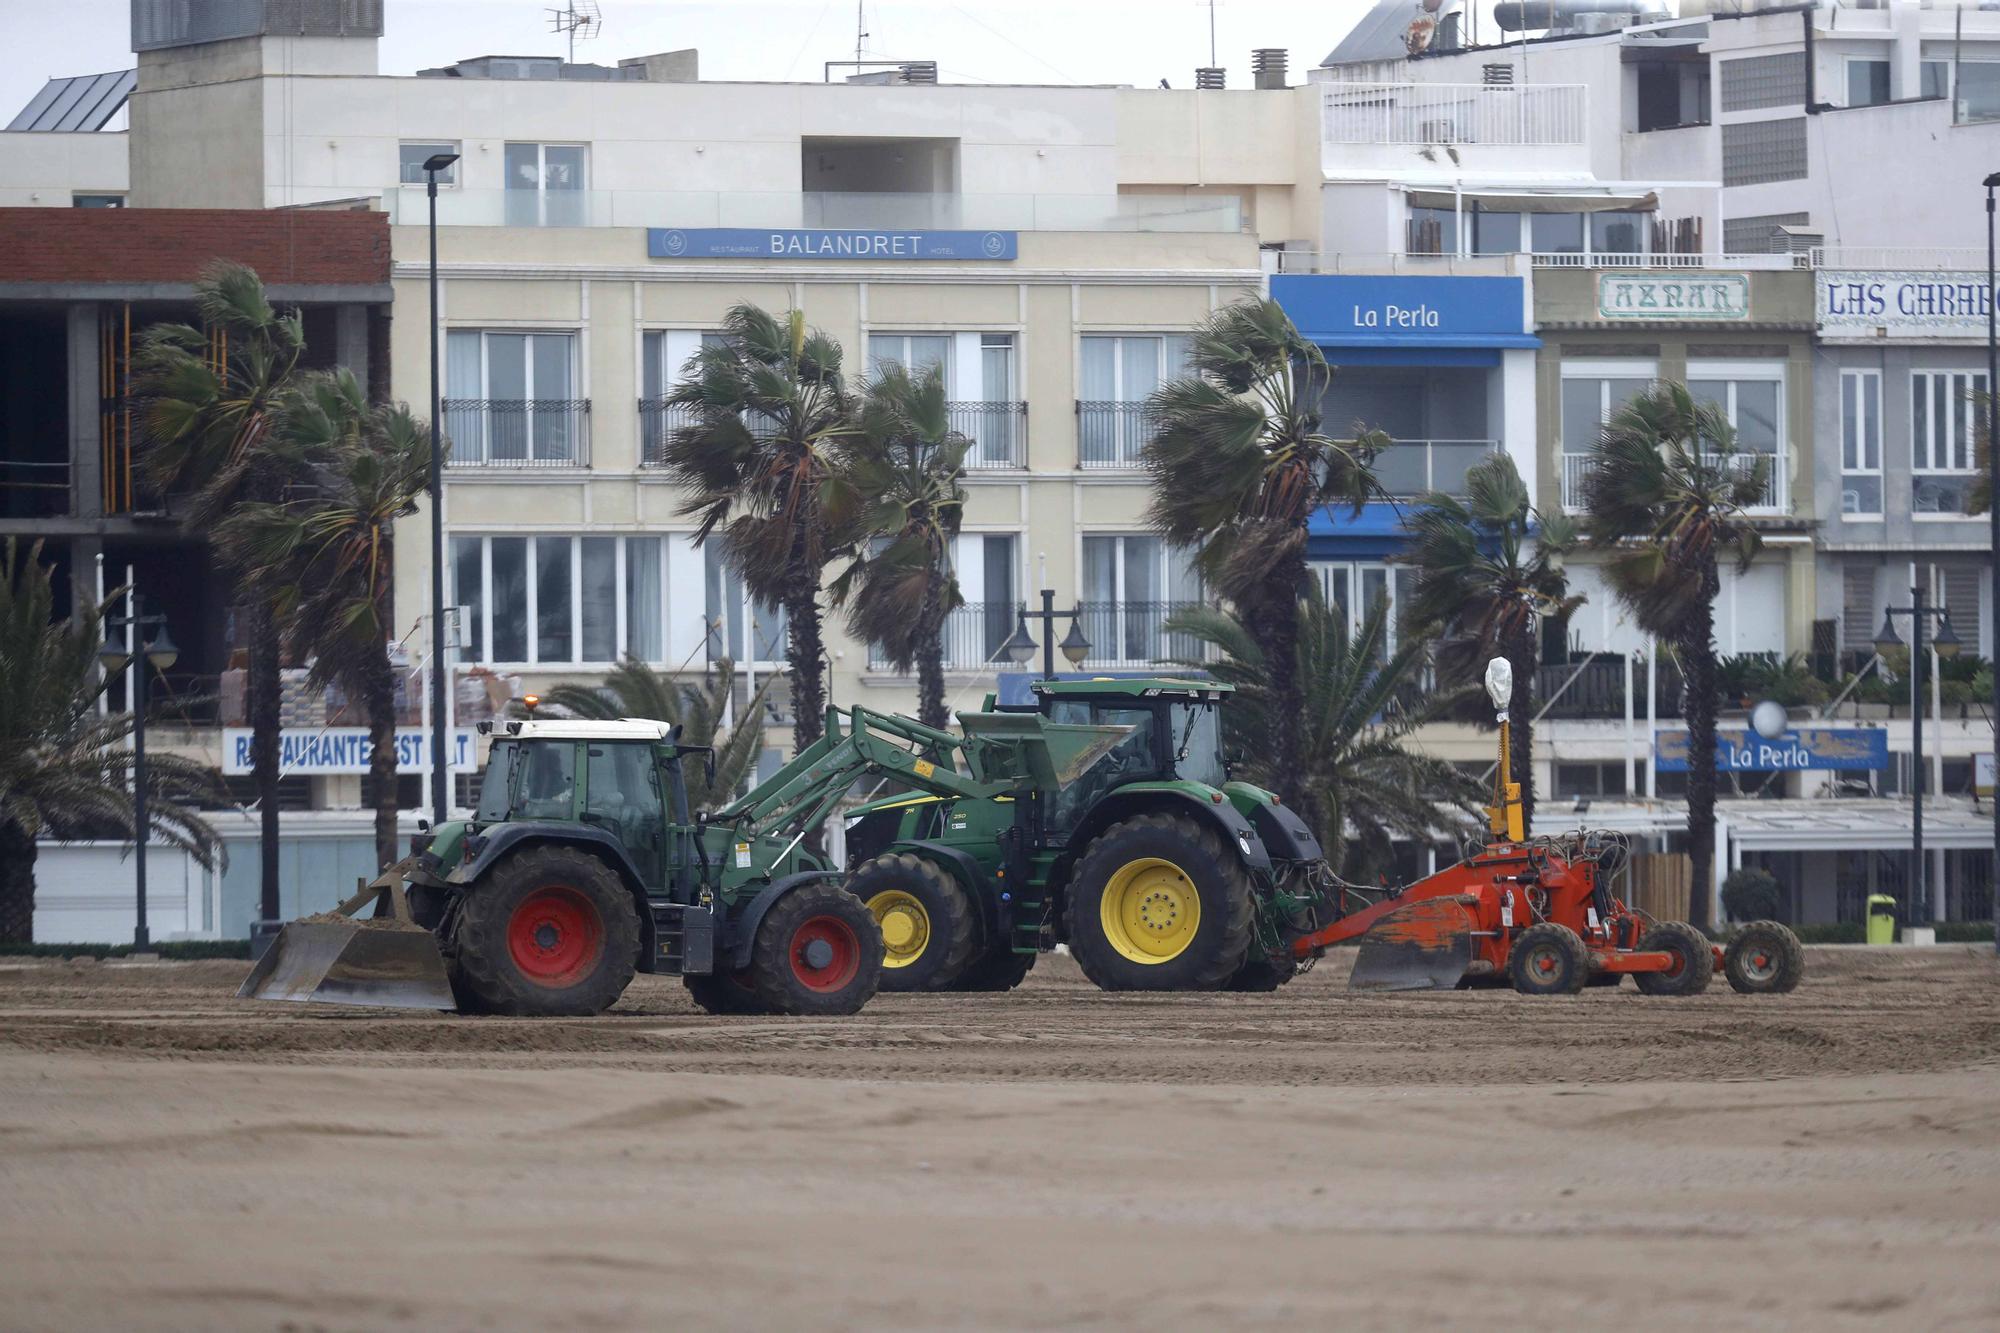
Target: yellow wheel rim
[
  {"x": 906, "y": 927},
  {"x": 1150, "y": 910}
]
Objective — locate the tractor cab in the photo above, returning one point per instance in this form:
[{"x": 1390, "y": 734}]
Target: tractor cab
[
  {"x": 1155, "y": 729},
  {"x": 622, "y": 777}
]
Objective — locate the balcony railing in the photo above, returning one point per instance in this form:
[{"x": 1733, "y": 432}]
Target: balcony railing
[
  {"x": 658, "y": 420},
  {"x": 971, "y": 636},
  {"x": 1595, "y": 690},
  {"x": 998, "y": 431},
  {"x": 34, "y": 490},
  {"x": 518, "y": 432},
  {"x": 1452, "y": 113},
  {"x": 1408, "y": 468},
  {"x": 863, "y": 210},
  {"x": 1111, "y": 434},
  {"x": 1775, "y": 499},
  {"x": 1134, "y": 634}
]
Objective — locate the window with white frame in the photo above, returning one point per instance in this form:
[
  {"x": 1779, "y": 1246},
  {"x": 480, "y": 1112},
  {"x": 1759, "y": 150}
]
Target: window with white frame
[
  {"x": 740, "y": 628},
  {"x": 663, "y": 359},
  {"x": 1352, "y": 588},
  {"x": 1978, "y": 90},
  {"x": 1132, "y": 583},
  {"x": 545, "y": 184},
  {"x": 1116, "y": 374},
  {"x": 553, "y": 598},
  {"x": 979, "y": 377},
  {"x": 510, "y": 397},
  {"x": 1592, "y": 393},
  {"x": 1752, "y": 396},
  {"x": 1943, "y": 416},
  {"x": 1860, "y": 443},
  {"x": 412, "y": 156}
]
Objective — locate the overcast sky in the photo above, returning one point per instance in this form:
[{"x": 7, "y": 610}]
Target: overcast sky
[{"x": 993, "y": 41}]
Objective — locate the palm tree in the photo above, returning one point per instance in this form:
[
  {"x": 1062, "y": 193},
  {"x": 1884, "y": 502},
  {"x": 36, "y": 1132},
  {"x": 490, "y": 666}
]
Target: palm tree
[
  {"x": 1487, "y": 564},
  {"x": 1665, "y": 497},
  {"x": 1361, "y": 784},
  {"x": 634, "y": 689},
  {"x": 209, "y": 426},
  {"x": 764, "y": 464},
  {"x": 908, "y": 461},
  {"x": 1239, "y": 465},
  {"x": 64, "y": 770},
  {"x": 327, "y": 557}
]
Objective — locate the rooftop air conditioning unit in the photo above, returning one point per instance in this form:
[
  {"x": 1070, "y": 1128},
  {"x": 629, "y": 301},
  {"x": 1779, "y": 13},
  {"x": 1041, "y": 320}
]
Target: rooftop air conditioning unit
[{"x": 1438, "y": 131}]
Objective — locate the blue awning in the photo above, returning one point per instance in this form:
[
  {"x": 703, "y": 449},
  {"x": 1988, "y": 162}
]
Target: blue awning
[{"x": 1339, "y": 534}]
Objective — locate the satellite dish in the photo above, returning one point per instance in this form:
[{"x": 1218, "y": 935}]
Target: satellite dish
[{"x": 1418, "y": 36}]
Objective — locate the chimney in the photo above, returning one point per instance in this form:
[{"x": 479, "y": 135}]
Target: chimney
[
  {"x": 1208, "y": 76},
  {"x": 1267, "y": 65}
]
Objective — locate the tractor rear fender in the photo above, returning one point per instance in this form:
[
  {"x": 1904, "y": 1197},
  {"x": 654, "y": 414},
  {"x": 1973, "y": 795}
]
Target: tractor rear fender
[
  {"x": 1184, "y": 799},
  {"x": 498, "y": 840},
  {"x": 742, "y": 929},
  {"x": 976, "y": 883},
  {"x": 1286, "y": 836}
]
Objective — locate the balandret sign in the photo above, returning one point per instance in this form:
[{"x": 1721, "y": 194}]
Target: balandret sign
[
  {"x": 822, "y": 243},
  {"x": 1873, "y": 303},
  {"x": 1655, "y": 296}
]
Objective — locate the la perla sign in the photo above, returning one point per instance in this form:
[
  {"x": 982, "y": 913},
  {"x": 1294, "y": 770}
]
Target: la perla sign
[{"x": 1708, "y": 296}]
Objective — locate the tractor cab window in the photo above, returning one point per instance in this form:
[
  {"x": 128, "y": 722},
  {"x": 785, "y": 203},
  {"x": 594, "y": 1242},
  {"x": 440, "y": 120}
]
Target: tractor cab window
[
  {"x": 1131, "y": 759},
  {"x": 1197, "y": 742},
  {"x": 496, "y": 783},
  {"x": 622, "y": 797},
  {"x": 548, "y": 780}
]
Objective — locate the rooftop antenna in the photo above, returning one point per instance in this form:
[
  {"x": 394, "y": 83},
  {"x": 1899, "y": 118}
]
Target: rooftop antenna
[
  {"x": 860, "y": 29},
  {"x": 578, "y": 18}
]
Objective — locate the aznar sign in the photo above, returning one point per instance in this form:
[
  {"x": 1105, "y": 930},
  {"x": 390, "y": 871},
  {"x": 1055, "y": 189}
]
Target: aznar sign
[
  {"x": 320, "y": 751},
  {"x": 1348, "y": 310},
  {"x": 1719, "y": 296},
  {"x": 1846, "y": 749},
  {"x": 820, "y": 243},
  {"x": 1869, "y": 303}
]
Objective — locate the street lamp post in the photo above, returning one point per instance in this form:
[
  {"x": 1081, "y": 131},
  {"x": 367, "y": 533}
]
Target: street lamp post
[
  {"x": 160, "y": 653},
  {"x": 440, "y": 760},
  {"x": 1020, "y": 647},
  {"x": 1947, "y": 645},
  {"x": 1993, "y": 513}
]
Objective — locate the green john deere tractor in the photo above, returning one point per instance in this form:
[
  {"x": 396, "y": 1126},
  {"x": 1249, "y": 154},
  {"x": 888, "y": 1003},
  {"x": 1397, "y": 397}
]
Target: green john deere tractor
[
  {"x": 1136, "y": 851},
  {"x": 583, "y": 865}
]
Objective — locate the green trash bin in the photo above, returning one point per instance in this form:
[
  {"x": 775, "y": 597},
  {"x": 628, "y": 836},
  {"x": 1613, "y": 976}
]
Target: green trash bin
[{"x": 1881, "y": 919}]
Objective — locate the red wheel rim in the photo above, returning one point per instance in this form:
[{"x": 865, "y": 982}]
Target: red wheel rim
[
  {"x": 555, "y": 936},
  {"x": 832, "y": 940}
]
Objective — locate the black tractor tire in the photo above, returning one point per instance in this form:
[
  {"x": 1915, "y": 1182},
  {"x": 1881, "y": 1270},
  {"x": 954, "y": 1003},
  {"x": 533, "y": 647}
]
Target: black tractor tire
[
  {"x": 818, "y": 952},
  {"x": 1765, "y": 958},
  {"x": 1697, "y": 960},
  {"x": 999, "y": 970},
  {"x": 1193, "y": 865},
  {"x": 942, "y": 944},
  {"x": 549, "y": 932},
  {"x": 1262, "y": 973},
  {"x": 1548, "y": 959},
  {"x": 727, "y": 993}
]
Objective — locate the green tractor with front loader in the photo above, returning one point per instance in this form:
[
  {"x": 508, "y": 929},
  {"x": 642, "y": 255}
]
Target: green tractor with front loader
[
  {"x": 583, "y": 865},
  {"x": 1141, "y": 855}
]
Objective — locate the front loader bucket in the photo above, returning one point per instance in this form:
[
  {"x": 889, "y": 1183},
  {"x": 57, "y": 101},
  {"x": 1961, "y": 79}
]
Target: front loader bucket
[
  {"x": 387, "y": 960},
  {"x": 1424, "y": 945}
]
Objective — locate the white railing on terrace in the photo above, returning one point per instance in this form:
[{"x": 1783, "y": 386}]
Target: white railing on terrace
[
  {"x": 1916, "y": 259},
  {"x": 1577, "y": 469},
  {"x": 1452, "y": 113},
  {"x": 849, "y": 210},
  {"x": 1661, "y": 259}
]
